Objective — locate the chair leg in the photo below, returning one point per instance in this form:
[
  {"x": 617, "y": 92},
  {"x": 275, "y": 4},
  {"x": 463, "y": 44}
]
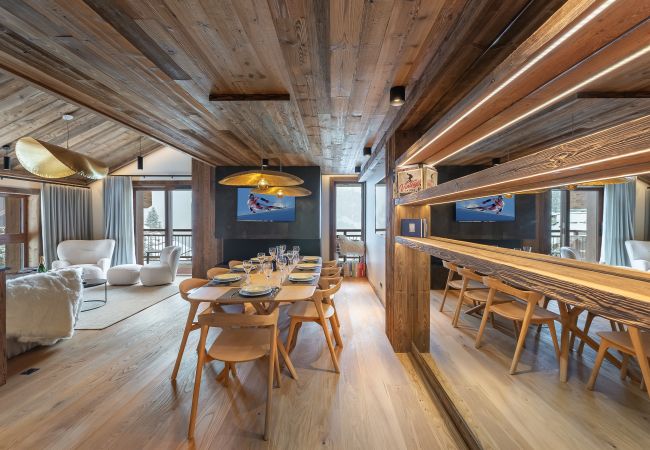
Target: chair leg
[
  {"x": 277, "y": 370},
  {"x": 326, "y": 332},
  {"x": 641, "y": 357},
  {"x": 590, "y": 318},
  {"x": 459, "y": 305},
  {"x": 545, "y": 306},
  {"x": 624, "y": 365},
  {"x": 444, "y": 296},
  {"x": 484, "y": 318},
  {"x": 197, "y": 382},
  {"x": 530, "y": 309},
  {"x": 292, "y": 335},
  {"x": 336, "y": 316},
  {"x": 602, "y": 350},
  {"x": 336, "y": 332},
  {"x": 186, "y": 332},
  {"x": 556, "y": 345},
  {"x": 269, "y": 387}
]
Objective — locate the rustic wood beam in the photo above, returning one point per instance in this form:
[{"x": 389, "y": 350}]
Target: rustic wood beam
[
  {"x": 543, "y": 71},
  {"x": 617, "y": 151},
  {"x": 207, "y": 250},
  {"x": 16, "y": 175},
  {"x": 615, "y": 293},
  {"x": 250, "y": 97}
]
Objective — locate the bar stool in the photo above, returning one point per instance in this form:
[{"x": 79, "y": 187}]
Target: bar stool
[
  {"x": 525, "y": 310},
  {"x": 456, "y": 284},
  {"x": 478, "y": 295}
]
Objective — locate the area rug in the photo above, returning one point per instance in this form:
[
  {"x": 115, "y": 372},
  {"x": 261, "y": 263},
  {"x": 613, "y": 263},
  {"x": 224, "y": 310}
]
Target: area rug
[{"x": 123, "y": 302}]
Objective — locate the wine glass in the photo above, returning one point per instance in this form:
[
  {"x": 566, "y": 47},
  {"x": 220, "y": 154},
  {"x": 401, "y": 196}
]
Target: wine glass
[
  {"x": 527, "y": 248},
  {"x": 272, "y": 251},
  {"x": 279, "y": 251},
  {"x": 267, "y": 268},
  {"x": 261, "y": 257},
  {"x": 248, "y": 266},
  {"x": 282, "y": 264},
  {"x": 296, "y": 249}
]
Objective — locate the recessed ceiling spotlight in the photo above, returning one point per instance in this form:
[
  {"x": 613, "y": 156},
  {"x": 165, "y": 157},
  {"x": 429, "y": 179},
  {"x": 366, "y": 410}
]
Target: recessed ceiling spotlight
[
  {"x": 367, "y": 151},
  {"x": 357, "y": 169},
  {"x": 7, "y": 158},
  {"x": 397, "y": 95}
]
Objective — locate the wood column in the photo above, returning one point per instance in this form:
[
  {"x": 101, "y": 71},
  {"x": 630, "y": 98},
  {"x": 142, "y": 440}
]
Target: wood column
[
  {"x": 3, "y": 328},
  {"x": 207, "y": 250},
  {"x": 407, "y": 271}
]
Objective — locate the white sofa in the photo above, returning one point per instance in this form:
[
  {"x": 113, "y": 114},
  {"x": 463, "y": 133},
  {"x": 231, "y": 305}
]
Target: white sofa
[
  {"x": 639, "y": 253},
  {"x": 163, "y": 272},
  {"x": 93, "y": 257}
]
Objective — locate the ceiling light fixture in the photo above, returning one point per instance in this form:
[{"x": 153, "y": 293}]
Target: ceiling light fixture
[
  {"x": 357, "y": 169},
  {"x": 261, "y": 178},
  {"x": 520, "y": 72},
  {"x": 140, "y": 157},
  {"x": 397, "y": 95},
  {"x": 7, "y": 158},
  {"x": 286, "y": 191},
  {"x": 367, "y": 151}
]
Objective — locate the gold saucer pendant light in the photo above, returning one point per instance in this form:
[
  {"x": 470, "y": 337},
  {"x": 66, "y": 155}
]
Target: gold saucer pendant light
[
  {"x": 287, "y": 191},
  {"x": 261, "y": 178},
  {"x": 51, "y": 161}
]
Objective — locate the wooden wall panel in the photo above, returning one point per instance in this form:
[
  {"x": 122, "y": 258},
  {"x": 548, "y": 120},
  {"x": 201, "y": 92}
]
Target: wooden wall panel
[
  {"x": 206, "y": 249},
  {"x": 3, "y": 327}
]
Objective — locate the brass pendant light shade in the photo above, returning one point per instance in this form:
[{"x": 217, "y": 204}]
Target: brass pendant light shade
[
  {"x": 288, "y": 191},
  {"x": 261, "y": 178},
  {"x": 51, "y": 161}
]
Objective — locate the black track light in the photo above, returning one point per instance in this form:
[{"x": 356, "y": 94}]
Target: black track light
[
  {"x": 357, "y": 169},
  {"x": 367, "y": 151},
  {"x": 7, "y": 158},
  {"x": 397, "y": 95},
  {"x": 140, "y": 162}
]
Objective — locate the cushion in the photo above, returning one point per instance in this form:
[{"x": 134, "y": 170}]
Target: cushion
[{"x": 124, "y": 275}]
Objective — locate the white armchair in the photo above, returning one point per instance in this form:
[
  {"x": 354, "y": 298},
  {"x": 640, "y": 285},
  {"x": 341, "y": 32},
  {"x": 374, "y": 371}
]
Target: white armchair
[
  {"x": 639, "y": 253},
  {"x": 163, "y": 272},
  {"x": 93, "y": 257}
]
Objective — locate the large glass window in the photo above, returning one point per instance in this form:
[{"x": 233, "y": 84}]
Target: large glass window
[
  {"x": 576, "y": 218},
  {"x": 349, "y": 210}
]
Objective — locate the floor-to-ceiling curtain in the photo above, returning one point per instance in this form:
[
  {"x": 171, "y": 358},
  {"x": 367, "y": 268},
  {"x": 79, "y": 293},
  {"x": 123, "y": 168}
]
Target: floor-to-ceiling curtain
[
  {"x": 66, "y": 213},
  {"x": 118, "y": 218},
  {"x": 618, "y": 223}
]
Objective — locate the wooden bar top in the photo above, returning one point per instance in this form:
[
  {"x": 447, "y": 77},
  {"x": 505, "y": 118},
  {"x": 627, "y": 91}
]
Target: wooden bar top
[{"x": 617, "y": 293}]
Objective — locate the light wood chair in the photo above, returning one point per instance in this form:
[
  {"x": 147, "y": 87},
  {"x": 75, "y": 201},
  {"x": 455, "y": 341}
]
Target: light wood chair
[
  {"x": 332, "y": 263},
  {"x": 472, "y": 289},
  {"x": 330, "y": 271},
  {"x": 217, "y": 271},
  {"x": 456, "y": 284},
  {"x": 319, "y": 309},
  {"x": 524, "y": 311},
  {"x": 621, "y": 341},
  {"x": 243, "y": 338},
  {"x": 233, "y": 262},
  {"x": 190, "y": 324}
]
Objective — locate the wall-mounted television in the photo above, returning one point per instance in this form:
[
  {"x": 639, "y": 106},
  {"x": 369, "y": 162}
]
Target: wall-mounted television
[
  {"x": 253, "y": 207},
  {"x": 496, "y": 208}
]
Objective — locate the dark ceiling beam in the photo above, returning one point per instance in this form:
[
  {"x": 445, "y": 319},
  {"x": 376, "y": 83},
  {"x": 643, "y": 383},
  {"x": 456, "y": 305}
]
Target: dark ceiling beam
[{"x": 250, "y": 97}]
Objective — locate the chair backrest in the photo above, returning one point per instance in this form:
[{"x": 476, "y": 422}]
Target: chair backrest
[
  {"x": 327, "y": 282},
  {"x": 217, "y": 271},
  {"x": 527, "y": 296},
  {"x": 470, "y": 274},
  {"x": 568, "y": 253},
  {"x": 332, "y": 263},
  {"x": 187, "y": 285},
  {"x": 330, "y": 271},
  {"x": 171, "y": 256},
  {"x": 638, "y": 250},
  {"x": 329, "y": 287},
  {"x": 225, "y": 320},
  {"x": 450, "y": 265},
  {"x": 85, "y": 251},
  {"x": 232, "y": 263}
]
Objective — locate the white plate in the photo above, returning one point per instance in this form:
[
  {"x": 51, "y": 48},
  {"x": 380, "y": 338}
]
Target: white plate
[
  {"x": 240, "y": 268},
  {"x": 227, "y": 277},
  {"x": 301, "y": 276},
  {"x": 307, "y": 266},
  {"x": 255, "y": 290},
  {"x": 311, "y": 258}
]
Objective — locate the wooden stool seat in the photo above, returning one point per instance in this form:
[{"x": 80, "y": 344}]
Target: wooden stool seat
[
  {"x": 240, "y": 345},
  {"x": 458, "y": 284},
  {"x": 517, "y": 311},
  {"x": 621, "y": 340},
  {"x": 481, "y": 296},
  {"x": 307, "y": 310}
]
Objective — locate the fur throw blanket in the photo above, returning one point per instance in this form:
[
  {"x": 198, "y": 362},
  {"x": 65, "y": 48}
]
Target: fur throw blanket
[{"x": 43, "y": 308}]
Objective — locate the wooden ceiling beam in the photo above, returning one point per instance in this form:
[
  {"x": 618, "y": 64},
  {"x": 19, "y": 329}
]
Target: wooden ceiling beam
[
  {"x": 250, "y": 97},
  {"x": 623, "y": 150},
  {"x": 25, "y": 176},
  {"x": 569, "y": 51}
]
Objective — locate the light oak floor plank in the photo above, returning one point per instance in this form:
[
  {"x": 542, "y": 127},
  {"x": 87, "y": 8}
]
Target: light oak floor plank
[{"x": 111, "y": 389}]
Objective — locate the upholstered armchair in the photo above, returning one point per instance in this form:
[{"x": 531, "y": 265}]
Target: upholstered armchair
[
  {"x": 639, "y": 253},
  {"x": 92, "y": 256},
  {"x": 163, "y": 272}
]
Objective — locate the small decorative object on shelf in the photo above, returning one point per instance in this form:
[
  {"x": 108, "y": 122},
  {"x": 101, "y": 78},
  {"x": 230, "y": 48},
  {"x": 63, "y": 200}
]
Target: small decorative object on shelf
[
  {"x": 415, "y": 179},
  {"x": 41, "y": 265},
  {"x": 414, "y": 227}
]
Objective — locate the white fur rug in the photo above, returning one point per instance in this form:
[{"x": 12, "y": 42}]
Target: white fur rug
[{"x": 123, "y": 302}]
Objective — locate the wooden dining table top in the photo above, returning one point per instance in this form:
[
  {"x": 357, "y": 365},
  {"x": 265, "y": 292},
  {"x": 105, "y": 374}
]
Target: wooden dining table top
[{"x": 288, "y": 294}]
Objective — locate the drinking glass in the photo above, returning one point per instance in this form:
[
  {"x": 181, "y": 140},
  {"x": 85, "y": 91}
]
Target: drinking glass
[
  {"x": 261, "y": 257},
  {"x": 248, "y": 266},
  {"x": 282, "y": 264},
  {"x": 279, "y": 251},
  {"x": 272, "y": 251},
  {"x": 267, "y": 267},
  {"x": 296, "y": 249},
  {"x": 528, "y": 248},
  {"x": 284, "y": 248}
]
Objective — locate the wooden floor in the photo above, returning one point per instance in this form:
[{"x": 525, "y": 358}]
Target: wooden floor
[
  {"x": 111, "y": 389},
  {"x": 532, "y": 409}
]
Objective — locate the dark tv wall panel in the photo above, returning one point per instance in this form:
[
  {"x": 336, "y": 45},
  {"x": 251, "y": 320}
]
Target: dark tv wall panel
[{"x": 241, "y": 238}]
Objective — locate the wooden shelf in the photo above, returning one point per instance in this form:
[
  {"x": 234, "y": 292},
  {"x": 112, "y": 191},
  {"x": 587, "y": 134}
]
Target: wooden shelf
[{"x": 615, "y": 293}]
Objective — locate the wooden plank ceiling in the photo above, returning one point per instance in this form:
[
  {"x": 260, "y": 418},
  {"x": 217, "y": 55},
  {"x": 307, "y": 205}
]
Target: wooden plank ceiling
[
  {"x": 29, "y": 111},
  {"x": 153, "y": 64}
]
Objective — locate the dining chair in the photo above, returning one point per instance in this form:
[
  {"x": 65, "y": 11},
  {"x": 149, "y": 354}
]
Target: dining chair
[
  {"x": 217, "y": 271},
  {"x": 320, "y": 311},
  {"x": 190, "y": 324},
  {"x": 332, "y": 263},
  {"x": 456, "y": 284},
  {"x": 524, "y": 311},
  {"x": 330, "y": 271},
  {"x": 243, "y": 338},
  {"x": 233, "y": 262},
  {"x": 621, "y": 341},
  {"x": 477, "y": 294}
]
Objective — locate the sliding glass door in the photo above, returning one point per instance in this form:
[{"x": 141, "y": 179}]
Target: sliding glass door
[{"x": 576, "y": 221}]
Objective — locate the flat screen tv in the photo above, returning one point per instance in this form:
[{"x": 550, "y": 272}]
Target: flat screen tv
[
  {"x": 496, "y": 208},
  {"x": 264, "y": 208}
]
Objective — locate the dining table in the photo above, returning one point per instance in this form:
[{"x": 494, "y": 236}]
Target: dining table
[{"x": 284, "y": 292}]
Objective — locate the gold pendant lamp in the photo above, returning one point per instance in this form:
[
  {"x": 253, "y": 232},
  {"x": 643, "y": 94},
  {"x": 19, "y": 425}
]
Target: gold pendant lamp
[
  {"x": 262, "y": 179},
  {"x": 51, "y": 161},
  {"x": 287, "y": 191}
]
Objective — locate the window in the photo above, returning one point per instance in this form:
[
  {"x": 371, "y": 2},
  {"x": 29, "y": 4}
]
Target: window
[
  {"x": 347, "y": 213},
  {"x": 13, "y": 231},
  {"x": 576, "y": 219}
]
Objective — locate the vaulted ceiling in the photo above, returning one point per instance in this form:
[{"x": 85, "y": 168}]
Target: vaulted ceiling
[{"x": 153, "y": 64}]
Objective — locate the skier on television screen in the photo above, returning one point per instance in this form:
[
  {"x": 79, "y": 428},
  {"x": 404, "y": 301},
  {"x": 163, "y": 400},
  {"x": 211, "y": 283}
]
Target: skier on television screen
[
  {"x": 494, "y": 205},
  {"x": 260, "y": 204}
]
